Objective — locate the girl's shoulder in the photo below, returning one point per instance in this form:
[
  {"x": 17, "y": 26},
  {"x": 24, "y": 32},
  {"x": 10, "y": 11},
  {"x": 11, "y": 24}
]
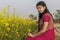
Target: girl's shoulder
[
  {"x": 46, "y": 17},
  {"x": 47, "y": 14}
]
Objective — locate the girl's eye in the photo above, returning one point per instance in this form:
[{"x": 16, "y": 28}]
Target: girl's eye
[{"x": 39, "y": 8}]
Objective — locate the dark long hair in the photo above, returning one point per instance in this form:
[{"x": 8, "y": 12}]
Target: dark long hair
[{"x": 42, "y": 3}]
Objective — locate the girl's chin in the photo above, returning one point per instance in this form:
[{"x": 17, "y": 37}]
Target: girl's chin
[{"x": 40, "y": 12}]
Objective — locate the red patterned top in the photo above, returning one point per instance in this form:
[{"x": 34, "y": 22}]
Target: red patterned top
[{"x": 46, "y": 18}]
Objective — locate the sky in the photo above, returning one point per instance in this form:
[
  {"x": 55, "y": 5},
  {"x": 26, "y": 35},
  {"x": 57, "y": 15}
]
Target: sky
[{"x": 26, "y": 7}]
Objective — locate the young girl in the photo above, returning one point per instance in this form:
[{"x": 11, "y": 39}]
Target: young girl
[{"x": 45, "y": 24}]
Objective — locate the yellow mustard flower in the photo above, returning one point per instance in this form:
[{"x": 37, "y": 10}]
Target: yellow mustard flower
[
  {"x": 29, "y": 30},
  {"x": 17, "y": 32},
  {"x": 5, "y": 10},
  {"x": 1, "y": 31},
  {"x": 6, "y": 24},
  {"x": 6, "y": 34},
  {"x": 8, "y": 29}
]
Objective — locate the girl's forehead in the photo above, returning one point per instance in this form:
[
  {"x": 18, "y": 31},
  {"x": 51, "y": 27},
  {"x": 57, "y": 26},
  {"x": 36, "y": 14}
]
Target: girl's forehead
[{"x": 39, "y": 6}]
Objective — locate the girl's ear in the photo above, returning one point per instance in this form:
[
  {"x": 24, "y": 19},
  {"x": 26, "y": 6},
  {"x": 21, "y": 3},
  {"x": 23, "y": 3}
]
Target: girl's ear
[{"x": 44, "y": 7}]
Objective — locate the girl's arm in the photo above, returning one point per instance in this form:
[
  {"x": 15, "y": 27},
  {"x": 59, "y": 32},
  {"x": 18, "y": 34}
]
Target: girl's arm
[{"x": 45, "y": 25}]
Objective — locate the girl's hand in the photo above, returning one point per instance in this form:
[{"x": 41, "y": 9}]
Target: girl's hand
[{"x": 30, "y": 35}]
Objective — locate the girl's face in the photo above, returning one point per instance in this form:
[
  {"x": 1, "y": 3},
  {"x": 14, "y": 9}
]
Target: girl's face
[{"x": 40, "y": 9}]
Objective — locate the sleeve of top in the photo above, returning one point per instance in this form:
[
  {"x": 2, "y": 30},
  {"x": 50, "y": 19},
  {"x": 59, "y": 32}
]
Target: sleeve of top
[{"x": 46, "y": 18}]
